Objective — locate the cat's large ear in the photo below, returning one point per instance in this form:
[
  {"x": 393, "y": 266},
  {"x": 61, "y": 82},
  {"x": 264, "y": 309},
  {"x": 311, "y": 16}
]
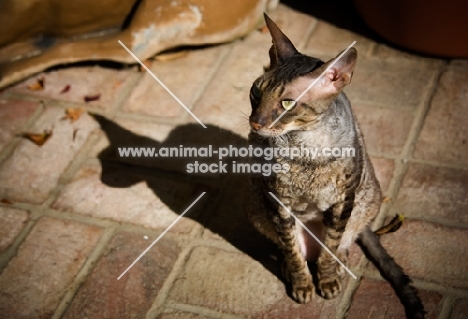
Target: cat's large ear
[
  {"x": 341, "y": 72},
  {"x": 282, "y": 47}
]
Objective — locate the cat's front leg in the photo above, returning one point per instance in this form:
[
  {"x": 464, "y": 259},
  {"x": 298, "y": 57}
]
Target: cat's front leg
[
  {"x": 295, "y": 267},
  {"x": 329, "y": 272}
]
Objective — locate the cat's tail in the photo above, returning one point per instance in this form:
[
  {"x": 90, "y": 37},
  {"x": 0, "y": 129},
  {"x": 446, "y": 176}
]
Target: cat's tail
[{"x": 392, "y": 272}]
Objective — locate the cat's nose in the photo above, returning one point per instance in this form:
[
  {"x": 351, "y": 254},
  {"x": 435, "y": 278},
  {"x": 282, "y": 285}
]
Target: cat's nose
[{"x": 255, "y": 126}]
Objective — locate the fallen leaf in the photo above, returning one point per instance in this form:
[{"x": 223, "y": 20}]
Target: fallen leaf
[
  {"x": 263, "y": 29},
  {"x": 91, "y": 98},
  {"x": 38, "y": 139},
  {"x": 66, "y": 89},
  {"x": 171, "y": 55},
  {"x": 73, "y": 114},
  {"x": 5, "y": 201},
  {"x": 147, "y": 63},
  {"x": 386, "y": 199},
  {"x": 118, "y": 83},
  {"x": 38, "y": 85},
  {"x": 392, "y": 226}
]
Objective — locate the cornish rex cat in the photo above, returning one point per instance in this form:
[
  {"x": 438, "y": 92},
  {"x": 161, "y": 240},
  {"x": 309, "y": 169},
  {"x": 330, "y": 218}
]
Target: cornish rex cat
[{"x": 334, "y": 196}]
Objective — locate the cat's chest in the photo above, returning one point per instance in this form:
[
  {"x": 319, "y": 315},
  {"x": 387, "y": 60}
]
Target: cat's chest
[{"x": 308, "y": 186}]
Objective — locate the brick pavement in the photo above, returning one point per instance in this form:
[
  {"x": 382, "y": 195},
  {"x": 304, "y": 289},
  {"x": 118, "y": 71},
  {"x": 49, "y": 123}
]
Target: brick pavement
[{"x": 74, "y": 215}]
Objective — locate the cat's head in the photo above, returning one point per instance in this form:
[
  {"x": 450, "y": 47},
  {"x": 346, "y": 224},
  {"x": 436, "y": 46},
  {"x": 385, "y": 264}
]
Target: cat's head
[{"x": 290, "y": 73}]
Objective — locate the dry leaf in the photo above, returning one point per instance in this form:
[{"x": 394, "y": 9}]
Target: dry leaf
[
  {"x": 118, "y": 83},
  {"x": 171, "y": 55},
  {"x": 263, "y": 29},
  {"x": 91, "y": 98},
  {"x": 65, "y": 89},
  {"x": 73, "y": 114},
  {"x": 38, "y": 139},
  {"x": 147, "y": 63},
  {"x": 386, "y": 199},
  {"x": 5, "y": 201},
  {"x": 392, "y": 226},
  {"x": 38, "y": 85}
]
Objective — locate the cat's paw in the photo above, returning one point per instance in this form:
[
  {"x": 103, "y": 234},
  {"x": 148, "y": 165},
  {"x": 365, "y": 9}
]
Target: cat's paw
[
  {"x": 330, "y": 288},
  {"x": 303, "y": 294},
  {"x": 301, "y": 281}
]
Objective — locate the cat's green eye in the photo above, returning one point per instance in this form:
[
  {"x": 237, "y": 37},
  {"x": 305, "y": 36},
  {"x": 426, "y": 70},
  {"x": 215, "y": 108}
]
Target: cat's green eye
[{"x": 288, "y": 104}]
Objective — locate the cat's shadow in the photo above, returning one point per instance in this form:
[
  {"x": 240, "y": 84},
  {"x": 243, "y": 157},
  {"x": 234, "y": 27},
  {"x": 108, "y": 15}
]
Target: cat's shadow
[{"x": 220, "y": 211}]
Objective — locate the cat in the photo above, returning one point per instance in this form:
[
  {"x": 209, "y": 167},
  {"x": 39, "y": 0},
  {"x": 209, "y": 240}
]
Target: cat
[{"x": 335, "y": 197}]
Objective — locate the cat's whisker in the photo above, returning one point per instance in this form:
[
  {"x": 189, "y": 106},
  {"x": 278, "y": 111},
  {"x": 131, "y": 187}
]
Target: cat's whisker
[
  {"x": 245, "y": 114},
  {"x": 244, "y": 122},
  {"x": 242, "y": 127}
]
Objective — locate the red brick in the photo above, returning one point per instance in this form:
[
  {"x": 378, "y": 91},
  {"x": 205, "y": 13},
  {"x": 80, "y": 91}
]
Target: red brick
[
  {"x": 103, "y": 296},
  {"x": 318, "y": 308},
  {"x": 385, "y": 130},
  {"x": 326, "y": 39},
  {"x": 32, "y": 171},
  {"x": 444, "y": 136},
  {"x": 207, "y": 281},
  {"x": 12, "y": 222},
  {"x": 377, "y": 299},
  {"x": 225, "y": 102},
  {"x": 430, "y": 252},
  {"x": 354, "y": 255},
  {"x": 461, "y": 63},
  {"x": 430, "y": 191},
  {"x": 133, "y": 196},
  {"x": 385, "y": 52},
  {"x": 460, "y": 309},
  {"x": 390, "y": 83},
  {"x": 255, "y": 292},
  {"x": 123, "y": 133},
  {"x": 227, "y": 219},
  {"x": 38, "y": 276},
  {"x": 13, "y": 116},
  {"x": 129, "y": 133},
  {"x": 83, "y": 81},
  {"x": 293, "y": 23},
  {"x": 384, "y": 171},
  {"x": 181, "y": 315},
  {"x": 185, "y": 77}
]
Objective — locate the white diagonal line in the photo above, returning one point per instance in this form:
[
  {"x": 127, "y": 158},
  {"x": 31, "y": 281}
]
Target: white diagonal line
[
  {"x": 162, "y": 84},
  {"x": 315, "y": 237},
  {"x": 160, "y": 236},
  {"x": 313, "y": 82},
  {"x": 278, "y": 118}
]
